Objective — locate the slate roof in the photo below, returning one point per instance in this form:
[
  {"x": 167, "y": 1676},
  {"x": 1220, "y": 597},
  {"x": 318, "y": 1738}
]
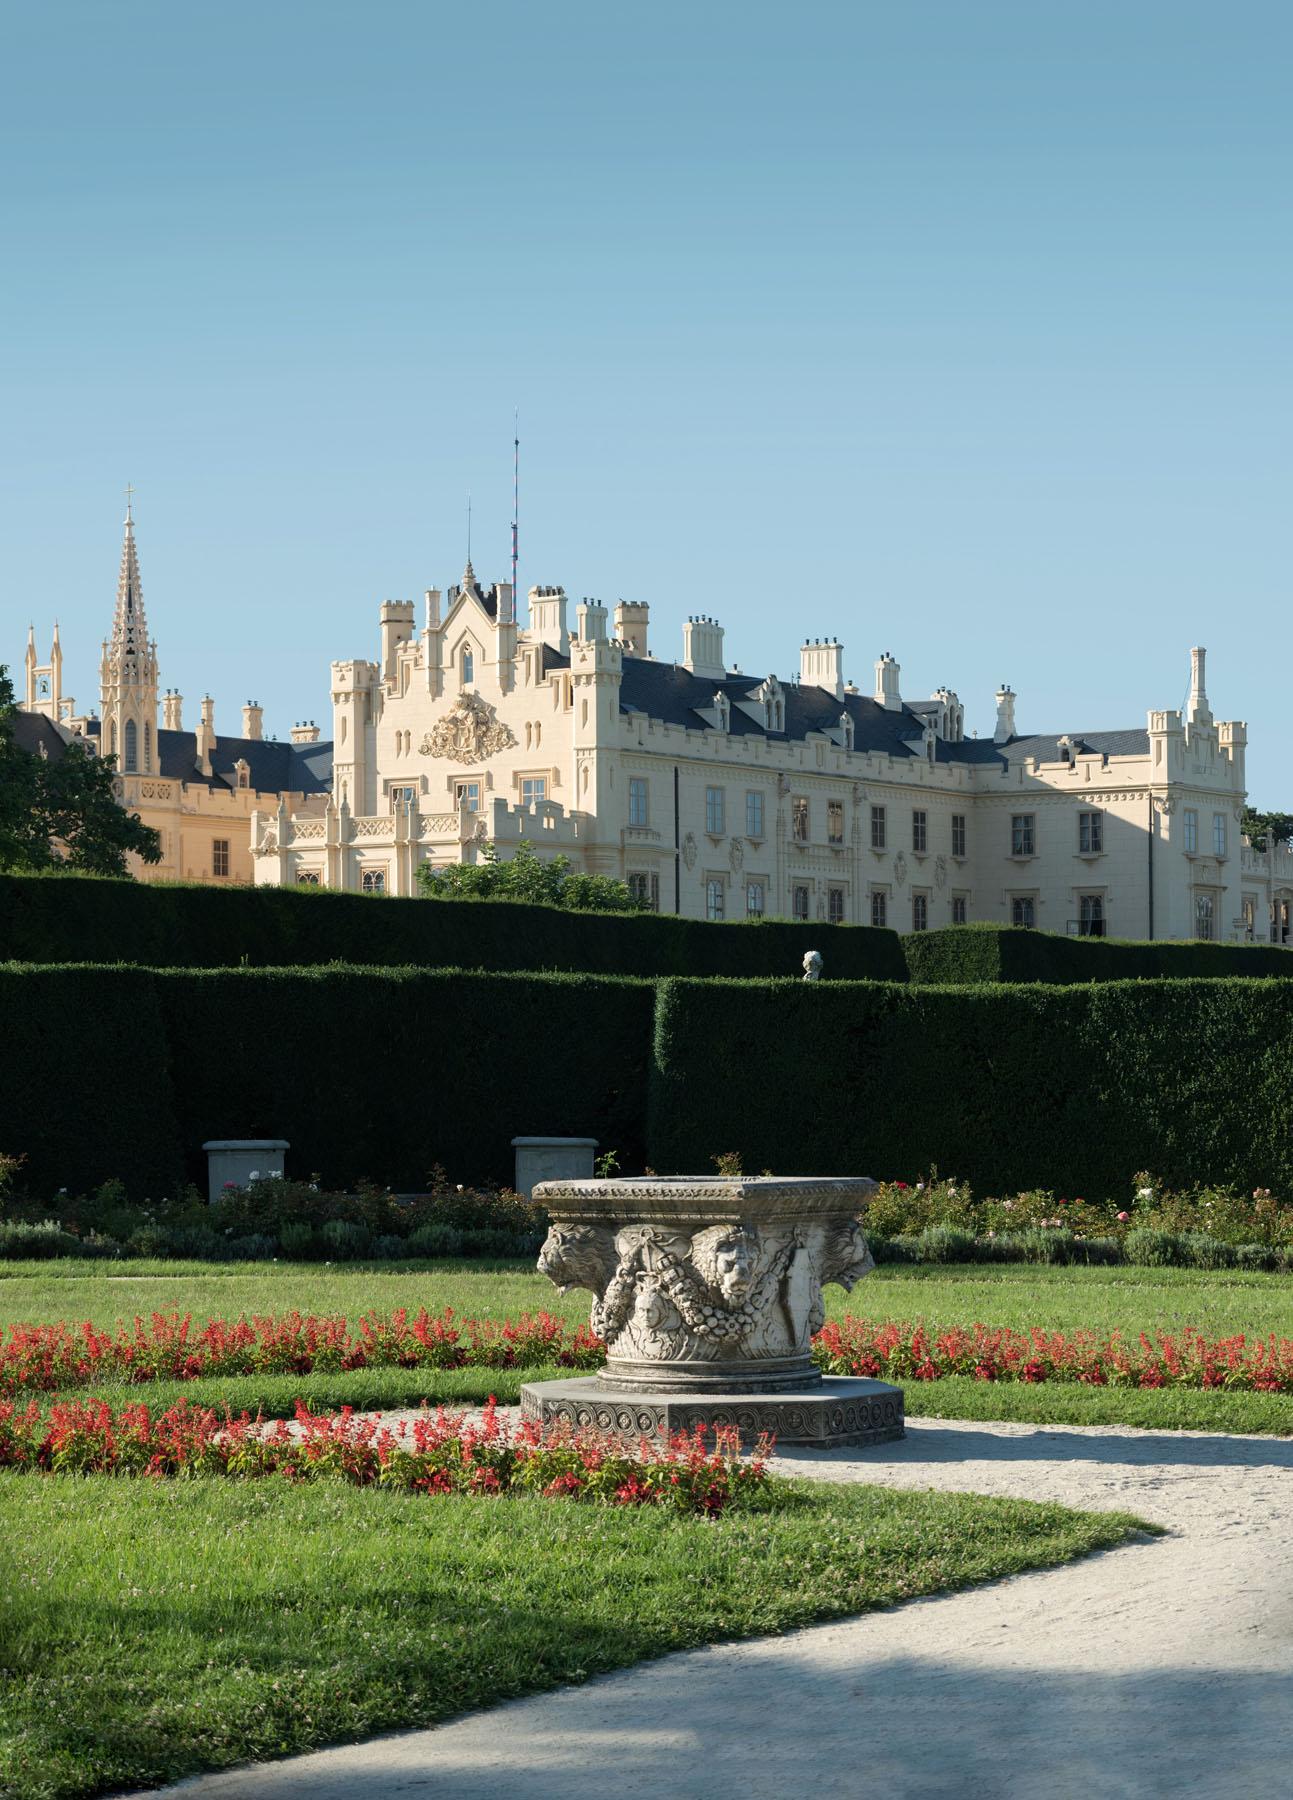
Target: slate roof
[
  {"x": 273, "y": 768},
  {"x": 1046, "y": 748}
]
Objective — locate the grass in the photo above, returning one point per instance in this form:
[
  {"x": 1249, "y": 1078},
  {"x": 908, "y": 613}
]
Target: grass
[{"x": 153, "y": 1630}]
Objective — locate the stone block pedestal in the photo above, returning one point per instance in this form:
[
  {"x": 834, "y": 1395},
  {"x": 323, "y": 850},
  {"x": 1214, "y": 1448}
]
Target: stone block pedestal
[{"x": 840, "y": 1409}]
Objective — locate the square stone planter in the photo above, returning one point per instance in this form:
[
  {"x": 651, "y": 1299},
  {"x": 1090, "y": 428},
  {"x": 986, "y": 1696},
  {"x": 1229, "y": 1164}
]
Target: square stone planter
[{"x": 237, "y": 1161}]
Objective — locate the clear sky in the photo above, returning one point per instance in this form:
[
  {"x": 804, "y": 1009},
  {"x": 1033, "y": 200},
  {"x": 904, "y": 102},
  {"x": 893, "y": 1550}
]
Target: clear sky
[{"x": 959, "y": 328}]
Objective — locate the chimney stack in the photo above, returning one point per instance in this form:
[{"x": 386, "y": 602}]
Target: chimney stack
[
  {"x": 887, "y": 672},
  {"x": 205, "y": 735},
  {"x": 172, "y": 710},
  {"x": 253, "y": 717},
  {"x": 702, "y": 648},
  {"x": 305, "y": 732},
  {"x": 1005, "y": 714},
  {"x": 1200, "y": 713},
  {"x": 631, "y": 625},
  {"x": 821, "y": 664}
]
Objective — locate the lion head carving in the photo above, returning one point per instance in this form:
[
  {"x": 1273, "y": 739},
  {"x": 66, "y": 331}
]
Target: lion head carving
[{"x": 578, "y": 1256}]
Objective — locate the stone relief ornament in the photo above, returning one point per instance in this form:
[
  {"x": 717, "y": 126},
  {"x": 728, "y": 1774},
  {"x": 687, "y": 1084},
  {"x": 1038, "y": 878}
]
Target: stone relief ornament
[
  {"x": 468, "y": 733},
  {"x": 900, "y": 868},
  {"x": 940, "y": 871},
  {"x": 736, "y": 855},
  {"x": 689, "y": 850}
]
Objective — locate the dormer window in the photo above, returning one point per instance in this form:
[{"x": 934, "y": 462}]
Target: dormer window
[
  {"x": 243, "y": 773},
  {"x": 723, "y": 708},
  {"x": 846, "y": 726},
  {"x": 468, "y": 667}
]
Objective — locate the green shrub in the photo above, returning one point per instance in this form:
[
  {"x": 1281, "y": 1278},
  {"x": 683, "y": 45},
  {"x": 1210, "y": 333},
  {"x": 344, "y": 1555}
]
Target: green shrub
[
  {"x": 945, "y": 1244},
  {"x": 174, "y": 926},
  {"x": 297, "y": 1240},
  {"x": 44, "y": 1238},
  {"x": 1258, "y": 1256},
  {"x": 345, "y": 1240},
  {"x": 389, "y": 1249},
  {"x": 255, "y": 1247},
  {"x": 435, "y": 1240},
  {"x": 1068, "y": 1089},
  {"x": 966, "y": 954},
  {"x": 1155, "y": 1249}
]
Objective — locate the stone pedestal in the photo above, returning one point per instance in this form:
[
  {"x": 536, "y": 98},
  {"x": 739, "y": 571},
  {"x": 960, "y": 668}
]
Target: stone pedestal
[
  {"x": 707, "y": 1293},
  {"x": 236, "y": 1161},
  {"x": 551, "y": 1159}
]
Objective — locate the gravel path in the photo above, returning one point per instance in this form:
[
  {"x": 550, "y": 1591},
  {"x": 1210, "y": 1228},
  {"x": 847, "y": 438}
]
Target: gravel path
[{"x": 1159, "y": 1669}]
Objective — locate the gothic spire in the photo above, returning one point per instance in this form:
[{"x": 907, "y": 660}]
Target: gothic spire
[{"x": 129, "y": 626}]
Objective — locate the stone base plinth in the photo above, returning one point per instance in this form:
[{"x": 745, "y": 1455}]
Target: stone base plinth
[{"x": 842, "y": 1409}]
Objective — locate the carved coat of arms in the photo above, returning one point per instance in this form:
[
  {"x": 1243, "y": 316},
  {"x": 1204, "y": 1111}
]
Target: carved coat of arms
[{"x": 468, "y": 733}]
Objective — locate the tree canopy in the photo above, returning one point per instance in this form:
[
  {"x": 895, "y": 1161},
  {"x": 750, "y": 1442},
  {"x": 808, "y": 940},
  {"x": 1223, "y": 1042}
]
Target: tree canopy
[
  {"x": 60, "y": 812},
  {"x": 523, "y": 876},
  {"x": 1260, "y": 828}
]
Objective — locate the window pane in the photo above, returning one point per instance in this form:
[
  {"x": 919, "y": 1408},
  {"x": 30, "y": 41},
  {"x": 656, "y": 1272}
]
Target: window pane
[
  {"x": 1191, "y": 819},
  {"x": 877, "y": 828},
  {"x": 879, "y": 909},
  {"x": 714, "y": 896},
  {"x": 1021, "y": 834},
  {"x": 919, "y": 912},
  {"x": 835, "y": 906},
  {"x": 835, "y": 821},
  {"x": 1218, "y": 834},
  {"x": 800, "y": 905},
  {"x": 958, "y": 834},
  {"x": 799, "y": 818},
  {"x": 754, "y": 899},
  {"x": 958, "y": 909},
  {"x": 637, "y": 800},
  {"x": 754, "y": 814},
  {"x": 919, "y": 825},
  {"x": 714, "y": 811}
]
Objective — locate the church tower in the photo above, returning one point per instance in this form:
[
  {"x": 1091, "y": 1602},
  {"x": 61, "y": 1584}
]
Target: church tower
[{"x": 128, "y": 673}]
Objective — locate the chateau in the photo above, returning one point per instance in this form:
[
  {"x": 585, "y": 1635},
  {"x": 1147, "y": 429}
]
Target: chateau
[
  {"x": 724, "y": 795},
  {"x": 712, "y": 793}
]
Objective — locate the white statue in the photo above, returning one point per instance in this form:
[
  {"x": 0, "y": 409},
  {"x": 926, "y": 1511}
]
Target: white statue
[{"x": 812, "y": 965}]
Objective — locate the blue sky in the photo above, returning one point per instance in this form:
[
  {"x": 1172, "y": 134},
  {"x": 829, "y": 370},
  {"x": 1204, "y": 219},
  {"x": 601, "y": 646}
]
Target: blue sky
[{"x": 960, "y": 330}]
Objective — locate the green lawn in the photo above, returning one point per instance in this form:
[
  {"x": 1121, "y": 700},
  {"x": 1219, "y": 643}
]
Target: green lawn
[
  {"x": 156, "y": 1629},
  {"x": 1102, "y": 1300}
]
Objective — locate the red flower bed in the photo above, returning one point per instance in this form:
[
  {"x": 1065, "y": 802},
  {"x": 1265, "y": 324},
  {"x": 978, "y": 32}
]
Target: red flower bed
[
  {"x": 1183, "y": 1360},
  {"x": 48, "y": 1357},
  {"x": 435, "y": 1453}
]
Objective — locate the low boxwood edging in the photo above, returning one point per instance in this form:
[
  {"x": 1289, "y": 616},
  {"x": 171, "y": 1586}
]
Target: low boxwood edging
[{"x": 1143, "y": 1249}]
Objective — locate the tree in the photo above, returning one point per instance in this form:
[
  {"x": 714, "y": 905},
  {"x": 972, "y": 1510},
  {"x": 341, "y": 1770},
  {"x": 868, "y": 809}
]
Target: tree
[
  {"x": 525, "y": 877},
  {"x": 1258, "y": 828},
  {"x": 61, "y": 812}
]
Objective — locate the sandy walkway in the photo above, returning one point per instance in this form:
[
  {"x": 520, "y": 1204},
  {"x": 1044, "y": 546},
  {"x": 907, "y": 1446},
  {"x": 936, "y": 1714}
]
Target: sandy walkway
[{"x": 1160, "y": 1669}]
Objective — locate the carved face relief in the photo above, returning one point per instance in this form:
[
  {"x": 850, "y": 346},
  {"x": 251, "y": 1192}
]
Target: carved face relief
[
  {"x": 725, "y": 1257},
  {"x": 578, "y": 1256},
  {"x": 846, "y": 1258}
]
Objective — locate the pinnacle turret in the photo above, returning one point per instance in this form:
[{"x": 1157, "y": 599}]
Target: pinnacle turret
[{"x": 128, "y": 673}]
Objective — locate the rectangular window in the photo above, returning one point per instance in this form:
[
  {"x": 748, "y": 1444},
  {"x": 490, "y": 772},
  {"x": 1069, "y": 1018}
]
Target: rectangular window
[
  {"x": 219, "y": 856},
  {"x": 1090, "y": 834},
  {"x": 1023, "y": 834},
  {"x": 958, "y": 834},
  {"x": 799, "y": 819},
  {"x": 920, "y": 832},
  {"x": 1190, "y": 821},
  {"x": 715, "y": 899},
  {"x": 400, "y": 797},
  {"x": 920, "y": 912},
  {"x": 877, "y": 828},
  {"x": 1090, "y": 915},
  {"x": 835, "y": 821},
  {"x": 754, "y": 813},
  {"x": 1218, "y": 834},
  {"x": 1204, "y": 917},
  {"x": 835, "y": 905},
  {"x": 533, "y": 787},
  {"x": 960, "y": 909},
  {"x": 879, "y": 907},
  {"x": 714, "y": 811},
  {"x": 467, "y": 794},
  {"x": 639, "y": 808},
  {"x": 1023, "y": 910},
  {"x": 644, "y": 887},
  {"x": 372, "y": 881},
  {"x": 754, "y": 900},
  {"x": 799, "y": 902}
]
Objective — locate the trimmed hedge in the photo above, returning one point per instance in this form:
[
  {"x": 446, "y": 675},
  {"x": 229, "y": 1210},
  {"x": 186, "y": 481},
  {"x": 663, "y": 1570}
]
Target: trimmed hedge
[
  {"x": 1068, "y": 1088},
  {"x": 979, "y": 953},
  {"x": 78, "y": 918},
  {"x": 367, "y": 1073}
]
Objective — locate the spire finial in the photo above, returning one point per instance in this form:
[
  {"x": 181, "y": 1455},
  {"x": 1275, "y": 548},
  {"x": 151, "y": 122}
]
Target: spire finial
[{"x": 130, "y": 495}]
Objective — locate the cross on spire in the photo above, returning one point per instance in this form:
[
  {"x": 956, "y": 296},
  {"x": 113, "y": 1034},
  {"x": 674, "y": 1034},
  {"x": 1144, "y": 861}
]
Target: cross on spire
[{"x": 130, "y": 494}]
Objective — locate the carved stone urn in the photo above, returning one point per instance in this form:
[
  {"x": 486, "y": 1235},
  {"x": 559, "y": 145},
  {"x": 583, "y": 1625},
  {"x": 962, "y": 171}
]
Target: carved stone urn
[{"x": 707, "y": 1293}]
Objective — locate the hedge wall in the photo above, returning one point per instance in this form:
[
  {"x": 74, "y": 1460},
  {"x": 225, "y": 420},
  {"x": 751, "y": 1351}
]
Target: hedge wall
[
  {"x": 60, "y": 918},
  {"x": 977, "y": 953},
  {"x": 374, "y": 1073},
  {"x": 1069, "y": 1088}
]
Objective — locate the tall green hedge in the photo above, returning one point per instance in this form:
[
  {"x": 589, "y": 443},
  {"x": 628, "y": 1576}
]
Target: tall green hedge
[
  {"x": 975, "y": 953},
  {"x": 169, "y": 925},
  {"x": 373, "y": 1073},
  {"x": 1069, "y": 1088}
]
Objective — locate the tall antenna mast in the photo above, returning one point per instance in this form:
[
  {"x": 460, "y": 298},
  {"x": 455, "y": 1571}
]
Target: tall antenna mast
[{"x": 516, "y": 509}]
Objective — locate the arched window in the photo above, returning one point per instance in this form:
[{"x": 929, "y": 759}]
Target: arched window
[
  {"x": 112, "y": 738},
  {"x": 468, "y": 667},
  {"x": 132, "y": 746},
  {"x": 148, "y": 745}
]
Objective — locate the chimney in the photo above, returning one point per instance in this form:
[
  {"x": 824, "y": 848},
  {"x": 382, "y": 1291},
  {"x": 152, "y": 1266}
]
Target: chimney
[
  {"x": 548, "y": 617},
  {"x": 205, "y": 735},
  {"x": 305, "y": 732},
  {"x": 821, "y": 664},
  {"x": 1199, "y": 711},
  {"x": 396, "y": 619},
  {"x": 433, "y": 609},
  {"x": 1005, "y": 714},
  {"x": 631, "y": 625},
  {"x": 253, "y": 720},
  {"x": 172, "y": 710},
  {"x": 887, "y": 672},
  {"x": 591, "y": 615},
  {"x": 702, "y": 648}
]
